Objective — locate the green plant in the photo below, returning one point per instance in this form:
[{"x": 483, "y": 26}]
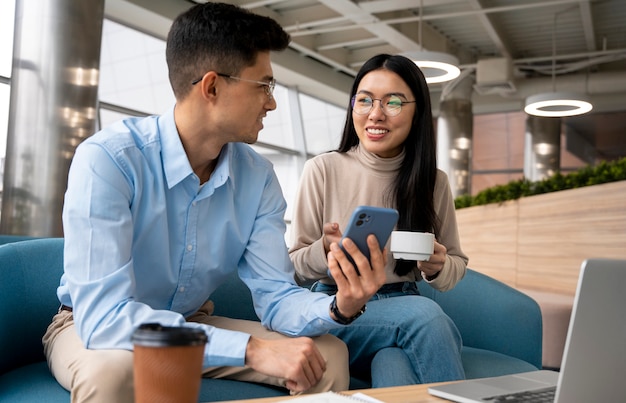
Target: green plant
[{"x": 603, "y": 172}]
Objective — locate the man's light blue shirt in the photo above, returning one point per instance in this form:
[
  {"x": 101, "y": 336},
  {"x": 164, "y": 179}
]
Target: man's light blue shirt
[{"x": 145, "y": 242}]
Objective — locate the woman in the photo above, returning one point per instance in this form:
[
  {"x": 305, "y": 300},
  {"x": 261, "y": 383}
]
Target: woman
[{"x": 387, "y": 158}]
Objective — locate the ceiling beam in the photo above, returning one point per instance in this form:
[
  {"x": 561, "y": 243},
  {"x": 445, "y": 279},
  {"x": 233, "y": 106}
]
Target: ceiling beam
[
  {"x": 258, "y": 4},
  {"x": 384, "y": 6},
  {"x": 437, "y": 16},
  {"x": 140, "y": 18},
  {"x": 368, "y": 22},
  {"x": 491, "y": 31},
  {"x": 588, "y": 29},
  {"x": 373, "y": 41}
]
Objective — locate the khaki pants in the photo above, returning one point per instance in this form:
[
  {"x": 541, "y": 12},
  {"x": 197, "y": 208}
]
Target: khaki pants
[{"x": 107, "y": 375}]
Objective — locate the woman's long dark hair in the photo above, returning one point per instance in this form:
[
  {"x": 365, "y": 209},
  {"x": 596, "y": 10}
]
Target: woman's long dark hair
[{"x": 414, "y": 187}]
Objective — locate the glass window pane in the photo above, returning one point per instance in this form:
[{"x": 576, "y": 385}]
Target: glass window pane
[
  {"x": 7, "y": 21},
  {"x": 287, "y": 171},
  {"x": 133, "y": 71},
  {"x": 277, "y": 128},
  {"x": 5, "y": 92},
  {"x": 108, "y": 117},
  {"x": 323, "y": 124}
]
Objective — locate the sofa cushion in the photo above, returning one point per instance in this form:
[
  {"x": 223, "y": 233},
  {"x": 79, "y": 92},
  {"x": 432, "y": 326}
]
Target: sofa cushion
[
  {"x": 556, "y": 310},
  {"x": 479, "y": 363},
  {"x": 28, "y": 284},
  {"x": 492, "y": 316},
  {"x": 35, "y": 384},
  {"x": 28, "y": 297},
  {"x": 32, "y": 384},
  {"x": 217, "y": 390},
  {"x": 232, "y": 299}
]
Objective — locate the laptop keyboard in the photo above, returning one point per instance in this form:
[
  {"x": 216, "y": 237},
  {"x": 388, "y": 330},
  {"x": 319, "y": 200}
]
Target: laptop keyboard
[{"x": 536, "y": 396}]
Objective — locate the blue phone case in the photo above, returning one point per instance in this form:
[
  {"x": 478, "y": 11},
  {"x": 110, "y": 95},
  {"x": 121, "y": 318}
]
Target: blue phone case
[{"x": 367, "y": 220}]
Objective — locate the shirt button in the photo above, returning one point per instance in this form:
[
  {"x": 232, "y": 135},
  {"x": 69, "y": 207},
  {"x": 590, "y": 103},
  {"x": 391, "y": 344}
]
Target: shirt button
[
  {"x": 194, "y": 203},
  {"x": 189, "y": 248},
  {"x": 181, "y": 289}
]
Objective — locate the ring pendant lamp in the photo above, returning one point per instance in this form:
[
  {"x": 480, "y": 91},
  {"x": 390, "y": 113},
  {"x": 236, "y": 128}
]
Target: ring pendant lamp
[
  {"x": 557, "y": 104},
  {"x": 438, "y": 67}
]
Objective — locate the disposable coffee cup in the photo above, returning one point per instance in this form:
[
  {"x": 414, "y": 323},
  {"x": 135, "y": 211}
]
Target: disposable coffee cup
[
  {"x": 167, "y": 363},
  {"x": 410, "y": 245}
]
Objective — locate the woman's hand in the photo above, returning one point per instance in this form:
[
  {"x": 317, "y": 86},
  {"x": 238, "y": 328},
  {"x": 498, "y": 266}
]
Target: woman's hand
[
  {"x": 435, "y": 262},
  {"x": 331, "y": 234}
]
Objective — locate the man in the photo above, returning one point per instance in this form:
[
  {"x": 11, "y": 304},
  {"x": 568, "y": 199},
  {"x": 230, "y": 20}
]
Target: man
[{"x": 159, "y": 210}]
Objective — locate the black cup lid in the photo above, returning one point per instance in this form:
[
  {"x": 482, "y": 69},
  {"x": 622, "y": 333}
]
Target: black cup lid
[{"x": 155, "y": 335}]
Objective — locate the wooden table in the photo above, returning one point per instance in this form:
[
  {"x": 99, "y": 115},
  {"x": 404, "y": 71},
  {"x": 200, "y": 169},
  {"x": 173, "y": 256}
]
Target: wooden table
[{"x": 396, "y": 394}]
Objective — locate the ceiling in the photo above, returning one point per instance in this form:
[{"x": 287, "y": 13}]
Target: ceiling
[{"x": 509, "y": 48}]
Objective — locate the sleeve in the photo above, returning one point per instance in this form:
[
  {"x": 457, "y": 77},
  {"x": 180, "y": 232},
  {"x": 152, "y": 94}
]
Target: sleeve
[
  {"x": 98, "y": 266},
  {"x": 99, "y": 272},
  {"x": 280, "y": 303},
  {"x": 456, "y": 262},
  {"x": 307, "y": 246}
]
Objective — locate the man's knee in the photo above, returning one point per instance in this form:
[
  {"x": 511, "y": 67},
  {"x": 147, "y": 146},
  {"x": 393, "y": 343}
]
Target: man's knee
[
  {"x": 337, "y": 375},
  {"x": 107, "y": 377}
]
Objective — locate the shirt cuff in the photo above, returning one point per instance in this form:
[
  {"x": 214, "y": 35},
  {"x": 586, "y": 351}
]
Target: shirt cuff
[{"x": 226, "y": 348}]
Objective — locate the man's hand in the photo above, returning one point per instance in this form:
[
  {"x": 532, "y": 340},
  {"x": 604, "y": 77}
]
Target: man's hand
[
  {"x": 297, "y": 360},
  {"x": 354, "y": 290}
]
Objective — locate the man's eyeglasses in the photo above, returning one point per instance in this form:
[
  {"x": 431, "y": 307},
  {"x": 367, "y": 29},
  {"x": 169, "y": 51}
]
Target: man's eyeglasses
[
  {"x": 268, "y": 86},
  {"x": 391, "y": 105}
]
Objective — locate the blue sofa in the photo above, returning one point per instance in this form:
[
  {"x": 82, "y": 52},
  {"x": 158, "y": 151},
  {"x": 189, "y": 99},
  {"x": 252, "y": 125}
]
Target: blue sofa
[{"x": 501, "y": 327}]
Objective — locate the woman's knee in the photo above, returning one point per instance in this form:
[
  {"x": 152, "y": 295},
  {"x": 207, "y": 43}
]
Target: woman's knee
[
  {"x": 426, "y": 318},
  {"x": 391, "y": 366},
  {"x": 416, "y": 309}
]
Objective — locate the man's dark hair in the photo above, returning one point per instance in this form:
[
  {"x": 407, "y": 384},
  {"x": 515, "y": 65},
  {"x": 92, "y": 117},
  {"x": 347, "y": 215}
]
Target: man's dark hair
[{"x": 217, "y": 37}]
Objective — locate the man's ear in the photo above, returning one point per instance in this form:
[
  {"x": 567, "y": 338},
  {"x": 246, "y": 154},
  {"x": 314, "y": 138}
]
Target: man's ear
[{"x": 209, "y": 85}]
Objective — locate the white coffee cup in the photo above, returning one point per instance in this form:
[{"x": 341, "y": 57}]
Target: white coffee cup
[{"x": 410, "y": 245}]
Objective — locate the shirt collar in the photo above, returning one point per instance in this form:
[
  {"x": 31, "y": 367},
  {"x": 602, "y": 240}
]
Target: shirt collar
[
  {"x": 223, "y": 167},
  {"x": 175, "y": 162}
]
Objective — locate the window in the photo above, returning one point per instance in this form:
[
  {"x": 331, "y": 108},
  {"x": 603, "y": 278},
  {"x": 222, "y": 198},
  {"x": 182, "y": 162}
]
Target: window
[
  {"x": 133, "y": 72},
  {"x": 7, "y": 18},
  {"x": 323, "y": 124}
]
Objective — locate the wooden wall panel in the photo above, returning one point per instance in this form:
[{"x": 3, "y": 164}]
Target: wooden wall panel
[
  {"x": 539, "y": 242},
  {"x": 489, "y": 237},
  {"x": 558, "y": 231}
]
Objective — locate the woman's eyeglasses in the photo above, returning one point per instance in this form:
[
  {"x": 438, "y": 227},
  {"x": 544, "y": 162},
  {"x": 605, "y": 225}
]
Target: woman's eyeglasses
[{"x": 391, "y": 105}]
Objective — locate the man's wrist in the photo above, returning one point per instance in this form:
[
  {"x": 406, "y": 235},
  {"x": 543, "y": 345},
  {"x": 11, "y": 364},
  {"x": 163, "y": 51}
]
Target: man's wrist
[{"x": 339, "y": 318}]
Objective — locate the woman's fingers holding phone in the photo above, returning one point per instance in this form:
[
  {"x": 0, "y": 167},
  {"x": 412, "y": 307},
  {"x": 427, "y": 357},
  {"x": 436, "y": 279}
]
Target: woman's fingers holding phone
[{"x": 332, "y": 233}]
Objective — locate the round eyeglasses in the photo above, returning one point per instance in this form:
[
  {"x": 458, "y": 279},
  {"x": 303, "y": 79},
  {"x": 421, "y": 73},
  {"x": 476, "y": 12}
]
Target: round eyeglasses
[
  {"x": 268, "y": 86},
  {"x": 391, "y": 105}
]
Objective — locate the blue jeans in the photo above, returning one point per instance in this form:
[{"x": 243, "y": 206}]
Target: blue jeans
[{"x": 401, "y": 339}]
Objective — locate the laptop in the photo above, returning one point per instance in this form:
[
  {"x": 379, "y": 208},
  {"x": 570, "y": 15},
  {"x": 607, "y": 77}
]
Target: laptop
[{"x": 593, "y": 367}]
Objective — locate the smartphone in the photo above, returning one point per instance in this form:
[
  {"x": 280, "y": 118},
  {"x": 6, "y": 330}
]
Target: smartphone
[{"x": 367, "y": 220}]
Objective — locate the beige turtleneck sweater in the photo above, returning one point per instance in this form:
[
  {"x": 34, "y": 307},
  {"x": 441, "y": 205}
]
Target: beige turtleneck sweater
[{"x": 333, "y": 184}]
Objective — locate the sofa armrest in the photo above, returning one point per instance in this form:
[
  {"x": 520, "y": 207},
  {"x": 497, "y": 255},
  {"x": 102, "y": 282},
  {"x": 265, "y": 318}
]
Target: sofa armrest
[
  {"x": 492, "y": 316},
  {"x": 28, "y": 298}
]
